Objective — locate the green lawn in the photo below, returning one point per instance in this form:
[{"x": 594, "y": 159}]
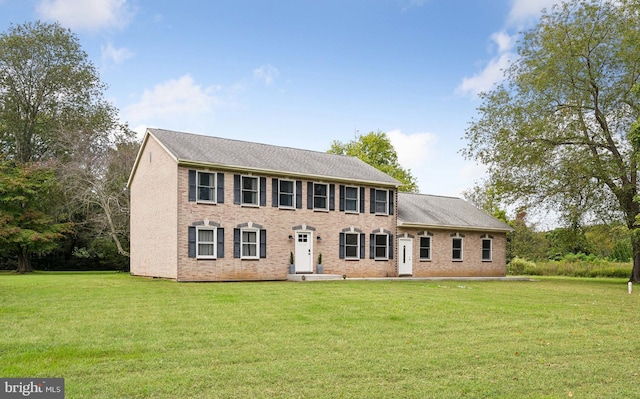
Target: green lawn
[{"x": 116, "y": 336}]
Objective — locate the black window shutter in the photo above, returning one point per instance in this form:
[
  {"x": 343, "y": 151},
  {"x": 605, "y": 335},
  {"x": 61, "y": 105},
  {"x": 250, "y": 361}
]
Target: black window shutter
[
  {"x": 341, "y": 248},
  {"x": 309, "y": 195},
  {"x": 341, "y": 198},
  {"x": 263, "y": 191},
  {"x": 372, "y": 248},
  {"x": 332, "y": 197},
  {"x": 391, "y": 206},
  {"x": 236, "y": 243},
  {"x": 274, "y": 192},
  {"x": 192, "y": 241},
  {"x": 192, "y": 186},
  {"x": 362, "y": 255},
  {"x": 220, "y": 188},
  {"x": 220, "y": 243},
  {"x": 362, "y": 199},
  {"x": 263, "y": 243},
  {"x": 298, "y": 194},
  {"x": 390, "y": 246},
  {"x": 236, "y": 189},
  {"x": 372, "y": 199}
]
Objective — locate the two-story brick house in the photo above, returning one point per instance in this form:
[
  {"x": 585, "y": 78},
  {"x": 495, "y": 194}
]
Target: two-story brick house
[{"x": 211, "y": 209}]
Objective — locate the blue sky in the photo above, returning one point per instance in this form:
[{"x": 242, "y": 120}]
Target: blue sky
[{"x": 302, "y": 73}]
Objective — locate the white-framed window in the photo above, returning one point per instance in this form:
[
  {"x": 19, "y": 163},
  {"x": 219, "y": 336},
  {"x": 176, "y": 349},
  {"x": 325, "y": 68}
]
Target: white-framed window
[
  {"x": 206, "y": 242},
  {"x": 249, "y": 243},
  {"x": 320, "y": 196},
  {"x": 352, "y": 199},
  {"x": 250, "y": 189},
  {"x": 381, "y": 199},
  {"x": 206, "y": 187},
  {"x": 456, "y": 248},
  {"x": 425, "y": 248},
  {"x": 352, "y": 246},
  {"x": 286, "y": 193},
  {"x": 487, "y": 244},
  {"x": 381, "y": 246}
]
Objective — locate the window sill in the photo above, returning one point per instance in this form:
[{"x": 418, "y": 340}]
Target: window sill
[
  {"x": 321, "y": 210},
  {"x": 286, "y": 208},
  {"x": 250, "y": 205},
  {"x": 425, "y": 260},
  {"x": 200, "y": 202}
]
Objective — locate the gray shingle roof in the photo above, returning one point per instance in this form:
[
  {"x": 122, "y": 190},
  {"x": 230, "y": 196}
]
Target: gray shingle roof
[
  {"x": 436, "y": 211},
  {"x": 187, "y": 147}
]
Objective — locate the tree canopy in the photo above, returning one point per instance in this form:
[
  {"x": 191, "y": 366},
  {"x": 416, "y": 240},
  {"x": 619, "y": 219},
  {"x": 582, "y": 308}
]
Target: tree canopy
[
  {"x": 556, "y": 132},
  {"x": 375, "y": 149},
  {"x": 54, "y": 119}
]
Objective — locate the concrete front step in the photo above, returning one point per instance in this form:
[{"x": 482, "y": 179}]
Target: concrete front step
[{"x": 314, "y": 277}]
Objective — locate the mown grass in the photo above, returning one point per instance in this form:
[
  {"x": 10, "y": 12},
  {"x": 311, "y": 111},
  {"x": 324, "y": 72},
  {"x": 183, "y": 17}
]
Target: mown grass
[{"x": 116, "y": 336}]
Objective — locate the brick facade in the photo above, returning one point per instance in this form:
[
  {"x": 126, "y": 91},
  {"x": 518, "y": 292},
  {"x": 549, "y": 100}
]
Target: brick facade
[
  {"x": 166, "y": 216},
  {"x": 441, "y": 263}
]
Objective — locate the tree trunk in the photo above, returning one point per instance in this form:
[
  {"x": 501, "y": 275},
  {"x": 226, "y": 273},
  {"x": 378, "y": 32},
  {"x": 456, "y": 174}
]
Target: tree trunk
[
  {"x": 24, "y": 261},
  {"x": 635, "y": 246}
]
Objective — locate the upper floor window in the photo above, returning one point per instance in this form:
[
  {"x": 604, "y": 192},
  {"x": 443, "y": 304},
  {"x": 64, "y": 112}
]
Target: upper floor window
[
  {"x": 206, "y": 187},
  {"x": 249, "y": 190},
  {"x": 351, "y": 199},
  {"x": 486, "y": 248},
  {"x": 382, "y": 201},
  {"x": 320, "y": 196},
  {"x": 286, "y": 193}
]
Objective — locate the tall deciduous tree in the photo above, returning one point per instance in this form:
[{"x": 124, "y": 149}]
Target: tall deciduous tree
[
  {"x": 48, "y": 87},
  {"x": 376, "y": 149},
  {"x": 556, "y": 132},
  {"x": 26, "y": 226},
  {"x": 52, "y": 110}
]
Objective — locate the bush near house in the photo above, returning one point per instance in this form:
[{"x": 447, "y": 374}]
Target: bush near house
[{"x": 570, "y": 265}]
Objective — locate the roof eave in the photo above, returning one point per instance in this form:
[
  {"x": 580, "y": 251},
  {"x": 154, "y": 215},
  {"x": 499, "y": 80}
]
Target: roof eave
[
  {"x": 199, "y": 164},
  {"x": 454, "y": 227}
]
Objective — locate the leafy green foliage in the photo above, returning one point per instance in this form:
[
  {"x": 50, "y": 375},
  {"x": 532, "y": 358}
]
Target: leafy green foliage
[
  {"x": 26, "y": 227},
  {"x": 376, "y": 149},
  {"x": 555, "y": 134}
]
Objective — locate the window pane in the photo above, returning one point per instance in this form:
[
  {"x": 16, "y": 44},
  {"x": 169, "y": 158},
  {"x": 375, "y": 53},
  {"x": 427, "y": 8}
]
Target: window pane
[
  {"x": 205, "y": 235},
  {"x": 205, "y": 179},
  {"x": 250, "y": 183},
  {"x": 205, "y": 194},
  {"x": 457, "y": 248},
  {"x": 205, "y": 249},
  {"x": 320, "y": 203},
  {"x": 351, "y": 251},
  {"x": 286, "y": 186},
  {"x": 249, "y": 197},
  {"x": 351, "y": 239},
  {"x": 320, "y": 189}
]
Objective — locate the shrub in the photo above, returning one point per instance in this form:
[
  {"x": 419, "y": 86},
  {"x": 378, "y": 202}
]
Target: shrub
[{"x": 519, "y": 266}]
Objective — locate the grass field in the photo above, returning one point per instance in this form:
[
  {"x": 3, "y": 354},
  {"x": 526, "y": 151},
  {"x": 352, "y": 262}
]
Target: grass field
[{"x": 116, "y": 336}]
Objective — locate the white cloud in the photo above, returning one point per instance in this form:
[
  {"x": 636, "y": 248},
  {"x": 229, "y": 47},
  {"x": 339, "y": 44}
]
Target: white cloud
[
  {"x": 413, "y": 150},
  {"x": 171, "y": 101},
  {"x": 523, "y": 12},
  {"x": 86, "y": 14},
  {"x": 487, "y": 78},
  {"x": 266, "y": 74},
  {"x": 115, "y": 55}
]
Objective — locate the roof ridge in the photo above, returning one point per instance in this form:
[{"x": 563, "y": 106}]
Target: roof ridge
[{"x": 251, "y": 142}]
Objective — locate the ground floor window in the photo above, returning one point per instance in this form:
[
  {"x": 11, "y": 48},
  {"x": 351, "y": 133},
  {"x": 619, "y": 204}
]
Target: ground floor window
[
  {"x": 486, "y": 249},
  {"x": 425, "y": 248},
  {"x": 456, "y": 244}
]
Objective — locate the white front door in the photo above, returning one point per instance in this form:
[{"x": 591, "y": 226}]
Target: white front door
[
  {"x": 304, "y": 252},
  {"x": 405, "y": 257}
]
